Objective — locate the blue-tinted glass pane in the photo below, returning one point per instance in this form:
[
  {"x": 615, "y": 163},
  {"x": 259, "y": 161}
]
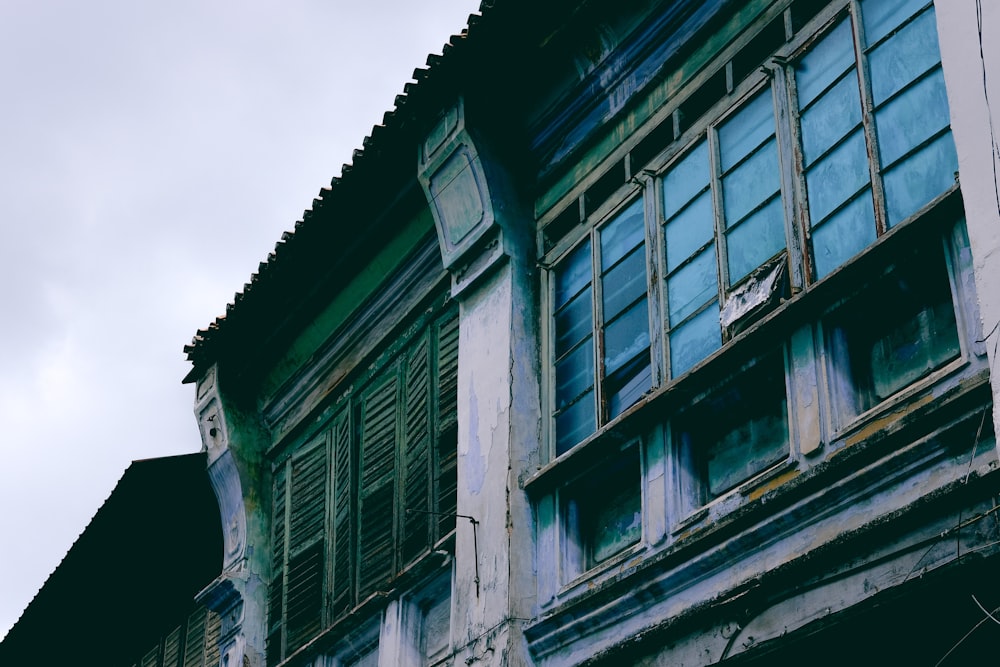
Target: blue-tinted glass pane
[
  {"x": 693, "y": 286},
  {"x": 626, "y": 337},
  {"x": 756, "y": 240},
  {"x": 573, "y": 274},
  {"x": 920, "y": 178},
  {"x": 625, "y": 283},
  {"x": 575, "y": 423},
  {"x": 690, "y": 230},
  {"x": 755, "y": 180},
  {"x": 912, "y": 117},
  {"x": 694, "y": 340},
  {"x": 628, "y": 385},
  {"x": 574, "y": 373},
  {"x": 686, "y": 179},
  {"x": 622, "y": 234},
  {"x": 824, "y": 63},
  {"x": 837, "y": 176},
  {"x": 844, "y": 235},
  {"x": 742, "y": 133},
  {"x": 880, "y": 17},
  {"x": 574, "y": 322},
  {"x": 833, "y": 115},
  {"x": 903, "y": 57}
]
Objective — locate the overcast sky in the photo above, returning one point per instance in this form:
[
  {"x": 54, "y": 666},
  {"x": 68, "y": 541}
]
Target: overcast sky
[{"x": 151, "y": 154}]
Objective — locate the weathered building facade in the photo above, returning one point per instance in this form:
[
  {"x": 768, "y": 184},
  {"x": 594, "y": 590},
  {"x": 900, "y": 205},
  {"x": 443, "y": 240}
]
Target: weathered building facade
[{"x": 638, "y": 333}]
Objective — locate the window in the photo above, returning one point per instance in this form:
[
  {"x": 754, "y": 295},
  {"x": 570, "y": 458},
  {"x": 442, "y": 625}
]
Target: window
[
  {"x": 841, "y": 137},
  {"x": 341, "y": 520},
  {"x": 603, "y": 513},
  {"x": 916, "y": 333},
  {"x": 735, "y": 431}
]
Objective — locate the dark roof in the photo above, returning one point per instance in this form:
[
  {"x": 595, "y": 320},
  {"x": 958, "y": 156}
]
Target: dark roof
[
  {"x": 420, "y": 98},
  {"x": 132, "y": 574}
]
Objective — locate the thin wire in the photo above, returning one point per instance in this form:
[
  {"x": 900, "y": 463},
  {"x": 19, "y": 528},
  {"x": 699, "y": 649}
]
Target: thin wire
[
  {"x": 992, "y": 617},
  {"x": 964, "y": 637},
  {"x": 995, "y": 149}
]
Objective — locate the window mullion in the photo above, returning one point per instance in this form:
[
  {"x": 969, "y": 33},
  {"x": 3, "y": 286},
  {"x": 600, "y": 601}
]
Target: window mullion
[
  {"x": 868, "y": 119},
  {"x": 789, "y": 162},
  {"x": 287, "y": 490},
  {"x": 597, "y": 291},
  {"x": 654, "y": 260},
  {"x": 721, "y": 247}
]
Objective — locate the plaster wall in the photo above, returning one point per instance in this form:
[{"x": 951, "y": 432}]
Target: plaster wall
[{"x": 970, "y": 52}]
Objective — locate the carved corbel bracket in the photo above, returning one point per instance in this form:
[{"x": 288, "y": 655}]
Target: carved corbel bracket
[{"x": 456, "y": 183}]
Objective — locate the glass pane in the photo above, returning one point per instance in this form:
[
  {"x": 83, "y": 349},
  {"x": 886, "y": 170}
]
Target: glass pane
[
  {"x": 752, "y": 182},
  {"x": 610, "y": 502},
  {"x": 880, "y": 17},
  {"x": 835, "y": 114},
  {"x": 693, "y": 286},
  {"x": 689, "y": 231},
  {"x": 756, "y": 240},
  {"x": 745, "y": 131},
  {"x": 574, "y": 374},
  {"x": 575, "y": 423},
  {"x": 686, "y": 179},
  {"x": 844, "y": 235},
  {"x": 749, "y": 444},
  {"x": 573, "y": 322},
  {"x": 913, "y": 348},
  {"x": 626, "y": 337},
  {"x": 824, "y": 63},
  {"x": 622, "y": 234},
  {"x": 628, "y": 385},
  {"x": 625, "y": 283},
  {"x": 573, "y": 274},
  {"x": 694, "y": 340},
  {"x": 912, "y": 117},
  {"x": 903, "y": 57},
  {"x": 837, "y": 176},
  {"x": 920, "y": 178}
]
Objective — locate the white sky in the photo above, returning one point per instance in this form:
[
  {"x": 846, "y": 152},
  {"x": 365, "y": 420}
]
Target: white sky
[{"x": 151, "y": 154}]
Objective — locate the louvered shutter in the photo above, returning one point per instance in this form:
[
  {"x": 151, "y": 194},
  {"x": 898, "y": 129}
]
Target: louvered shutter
[
  {"x": 446, "y": 445},
  {"x": 213, "y": 633},
  {"x": 377, "y": 489},
  {"x": 276, "y": 592},
  {"x": 172, "y": 649},
  {"x": 307, "y": 515},
  {"x": 151, "y": 659},
  {"x": 416, "y": 453},
  {"x": 341, "y": 588},
  {"x": 194, "y": 639}
]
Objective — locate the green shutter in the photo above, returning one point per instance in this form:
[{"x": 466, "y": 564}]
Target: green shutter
[
  {"x": 151, "y": 659},
  {"x": 341, "y": 588},
  {"x": 446, "y": 445},
  {"x": 172, "y": 649},
  {"x": 416, "y": 453},
  {"x": 307, "y": 512},
  {"x": 276, "y": 592},
  {"x": 377, "y": 490},
  {"x": 194, "y": 639},
  {"x": 213, "y": 633}
]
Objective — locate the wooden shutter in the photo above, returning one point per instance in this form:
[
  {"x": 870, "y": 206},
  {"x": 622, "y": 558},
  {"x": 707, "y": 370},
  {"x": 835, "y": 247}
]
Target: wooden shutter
[
  {"x": 416, "y": 453},
  {"x": 341, "y": 586},
  {"x": 213, "y": 634},
  {"x": 446, "y": 445},
  {"x": 172, "y": 649},
  {"x": 306, "y": 518},
  {"x": 194, "y": 639},
  {"x": 376, "y": 492},
  {"x": 151, "y": 659},
  {"x": 276, "y": 592}
]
